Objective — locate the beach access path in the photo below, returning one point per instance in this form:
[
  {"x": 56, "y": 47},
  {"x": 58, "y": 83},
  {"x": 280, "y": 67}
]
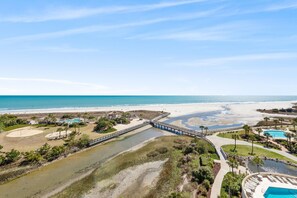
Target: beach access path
[{"x": 219, "y": 142}]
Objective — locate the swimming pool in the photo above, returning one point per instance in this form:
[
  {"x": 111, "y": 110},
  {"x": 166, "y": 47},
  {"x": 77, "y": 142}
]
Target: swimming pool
[
  {"x": 273, "y": 192},
  {"x": 276, "y": 133},
  {"x": 72, "y": 121}
]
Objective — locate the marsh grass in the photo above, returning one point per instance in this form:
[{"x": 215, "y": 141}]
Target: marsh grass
[{"x": 169, "y": 178}]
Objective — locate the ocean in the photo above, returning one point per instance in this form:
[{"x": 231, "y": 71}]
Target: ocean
[{"x": 8, "y": 103}]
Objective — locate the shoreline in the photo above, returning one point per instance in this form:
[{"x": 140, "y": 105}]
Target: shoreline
[{"x": 175, "y": 109}]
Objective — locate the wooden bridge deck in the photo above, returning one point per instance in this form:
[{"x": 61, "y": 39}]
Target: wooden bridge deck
[{"x": 176, "y": 129}]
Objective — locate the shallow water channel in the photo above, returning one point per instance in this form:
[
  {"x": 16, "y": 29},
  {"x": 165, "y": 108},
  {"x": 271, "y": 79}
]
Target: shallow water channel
[{"x": 50, "y": 177}]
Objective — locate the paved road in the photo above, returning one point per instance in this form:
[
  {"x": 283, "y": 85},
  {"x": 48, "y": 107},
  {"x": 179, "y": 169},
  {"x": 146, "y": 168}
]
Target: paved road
[{"x": 218, "y": 142}]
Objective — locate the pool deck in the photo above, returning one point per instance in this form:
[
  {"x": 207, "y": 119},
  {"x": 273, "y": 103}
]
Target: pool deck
[{"x": 255, "y": 185}]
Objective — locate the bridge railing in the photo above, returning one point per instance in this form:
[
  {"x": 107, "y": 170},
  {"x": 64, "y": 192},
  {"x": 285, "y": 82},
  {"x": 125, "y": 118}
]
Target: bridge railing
[
  {"x": 223, "y": 130},
  {"x": 160, "y": 117},
  {"x": 116, "y": 134}
]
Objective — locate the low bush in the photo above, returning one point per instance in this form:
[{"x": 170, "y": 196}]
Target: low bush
[
  {"x": 203, "y": 173},
  {"x": 152, "y": 154},
  {"x": 162, "y": 150}
]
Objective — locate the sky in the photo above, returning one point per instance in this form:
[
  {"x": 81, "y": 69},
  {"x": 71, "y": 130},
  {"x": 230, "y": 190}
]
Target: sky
[{"x": 148, "y": 47}]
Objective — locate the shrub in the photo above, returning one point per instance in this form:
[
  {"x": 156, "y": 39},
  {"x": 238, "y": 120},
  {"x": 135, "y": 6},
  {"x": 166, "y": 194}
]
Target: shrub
[
  {"x": 188, "y": 150},
  {"x": 162, "y": 150},
  {"x": 12, "y": 156},
  {"x": 203, "y": 173},
  {"x": 175, "y": 195},
  {"x": 178, "y": 147},
  {"x": 2, "y": 160},
  {"x": 202, "y": 191},
  {"x": 44, "y": 149},
  {"x": 152, "y": 154},
  {"x": 32, "y": 157},
  {"x": 232, "y": 184},
  {"x": 83, "y": 141},
  {"x": 55, "y": 152},
  {"x": 104, "y": 125},
  {"x": 180, "y": 141},
  {"x": 206, "y": 184},
  {"x": 203, "y": 161}
]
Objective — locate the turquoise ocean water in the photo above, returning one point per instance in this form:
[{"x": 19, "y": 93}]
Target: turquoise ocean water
[{"x": 53, "y": 102}]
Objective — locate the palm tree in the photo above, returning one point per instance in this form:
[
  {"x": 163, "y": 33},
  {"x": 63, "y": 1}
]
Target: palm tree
[
  {"x": 252, "y": 138},
  {"x": 66, "y": 130},
  {"x": 267, "y": 138},
  {"x": 232, "y": 162},
  {"x": 258, "y": 162},
  {"x": 275, "y": 123},
  {"x": 59, "y": 130},
  {"x": 266, "y": 120},
  {"x": 294, "y": 123},
  {"x": 235, "y": 137},
  {"x": 206, "y": 129},
  {"x": 246, "y": 129},
  {"x": 75, "y": 127},
  {"x": 281, "y": 121},
  {"x": 289, "y": 138},
  {"x": 259, "y": 130},
  {"x": 202, "y": 127}
]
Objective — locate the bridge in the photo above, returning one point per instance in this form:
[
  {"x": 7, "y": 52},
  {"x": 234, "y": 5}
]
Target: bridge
[
  {"x": 160, "y": 125},
  {"x": 122, "y": 132},
  {"x": 116, "y": 134},
  {"x": 176, "y": 129}
]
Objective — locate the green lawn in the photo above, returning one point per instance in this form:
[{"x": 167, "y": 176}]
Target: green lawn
[
  {"x": 243, "y": 150},
  {"x": 229, "y": 134}
]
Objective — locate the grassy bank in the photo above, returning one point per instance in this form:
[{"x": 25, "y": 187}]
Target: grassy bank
[
  {"x": 230, "y": 134},
  {"x": 245, "y": 151}
]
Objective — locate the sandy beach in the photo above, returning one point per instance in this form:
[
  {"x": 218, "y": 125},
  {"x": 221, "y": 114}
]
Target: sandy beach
[{"x": 244, "y": 108}]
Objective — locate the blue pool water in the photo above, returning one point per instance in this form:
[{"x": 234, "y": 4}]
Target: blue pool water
[
  {"x": 72, "y": 121},
  {"x": 273, "y": 192},
  {"x": 276, "y": 133}
]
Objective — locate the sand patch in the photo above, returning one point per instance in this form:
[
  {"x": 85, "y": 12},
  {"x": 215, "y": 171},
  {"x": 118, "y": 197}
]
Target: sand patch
[
  {"x": 133, "y": 123},
  {"x": 57, "y": 135},
  {"x": 132, "y": 182},
  {"x": 24, "y": 132}
]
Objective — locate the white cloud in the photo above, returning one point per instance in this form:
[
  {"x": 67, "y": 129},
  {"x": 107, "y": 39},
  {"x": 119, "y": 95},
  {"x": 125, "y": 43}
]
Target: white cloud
[
  {"x": 101, "y": 28},
  {"x": 221, "y": 32},
  {"x": 63, "y": 49},
  {"x": 56, "y": 81},
  {"x": 241, "y": 58},
  {"x": 282, "y": 6},
  {"x": 75, "y": 13}
]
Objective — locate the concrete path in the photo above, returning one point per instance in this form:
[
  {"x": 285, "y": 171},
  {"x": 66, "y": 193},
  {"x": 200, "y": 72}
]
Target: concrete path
[
  {"x": 218, "y": 142},
  {"x": 217, "y": 185}
]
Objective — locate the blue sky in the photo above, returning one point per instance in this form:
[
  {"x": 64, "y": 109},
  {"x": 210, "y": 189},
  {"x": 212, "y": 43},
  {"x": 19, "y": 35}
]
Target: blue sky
[{"x": 187, "y": 47}]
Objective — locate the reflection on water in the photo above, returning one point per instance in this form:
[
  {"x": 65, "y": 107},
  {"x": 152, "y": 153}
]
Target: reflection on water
[
  {"x": 48, "y": 178},
  {"x": 275, "y": 167},
  {"x": 211, "y": 116}
]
